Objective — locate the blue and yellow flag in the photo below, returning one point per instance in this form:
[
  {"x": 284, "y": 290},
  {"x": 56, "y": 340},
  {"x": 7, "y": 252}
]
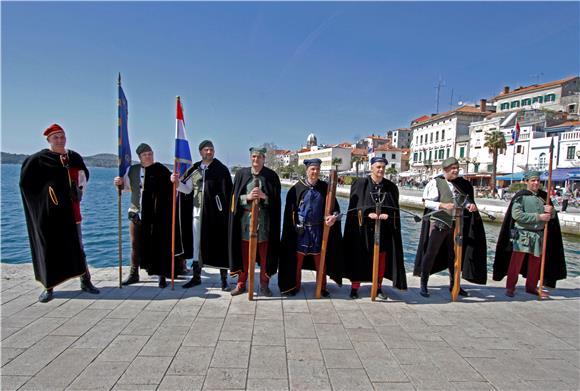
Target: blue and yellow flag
[{"x": 124, "y": 147}]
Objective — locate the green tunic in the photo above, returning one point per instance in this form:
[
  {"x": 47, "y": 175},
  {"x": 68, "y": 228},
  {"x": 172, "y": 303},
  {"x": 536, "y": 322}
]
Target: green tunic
[
  {"x": 530, "y": 229},
  {"x": 264, "y": 218}
]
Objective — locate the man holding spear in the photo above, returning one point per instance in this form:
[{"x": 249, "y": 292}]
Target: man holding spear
[
  {"x": 302, "y": 235},
  {"x": 263, "y": 185},
  {"x": 360, "y": 242},
  {"x": 522, "y": 236}
]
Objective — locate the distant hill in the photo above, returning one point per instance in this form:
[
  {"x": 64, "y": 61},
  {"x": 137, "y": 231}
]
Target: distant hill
[{"x": 98, "y": 160}]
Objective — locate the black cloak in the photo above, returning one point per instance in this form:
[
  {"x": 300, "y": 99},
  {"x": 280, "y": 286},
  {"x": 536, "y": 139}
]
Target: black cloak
[
  {"x": 272, "y": 189},
  {"x": 214, "y": 220},
  {"x": 358, "y": 239},
  {"x": 47, "y": 197},
  {"x": 333, "y": 261},
  {"x": 555, "y": 267},
  {"x": 474, "y": 259},
  {"x": 156, "y": 220}
]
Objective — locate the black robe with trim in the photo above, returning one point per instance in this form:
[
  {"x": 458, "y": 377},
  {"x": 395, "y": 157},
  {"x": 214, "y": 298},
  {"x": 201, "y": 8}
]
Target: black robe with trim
[
  {"x": 474, "y": 257},
  {"x": 272, "y": 189},
  {"x": 217, "y": 196},
  {"x": 555, "y": 267},
  {"x": 156, "y": 220},
  {"x": 288, "y": 264},
  {"x": 57, "y": 253},
  {"x": 358, "y": 241}
]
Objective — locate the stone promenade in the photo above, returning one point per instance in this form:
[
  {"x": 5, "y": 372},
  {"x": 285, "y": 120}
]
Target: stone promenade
[{"x": 145, "y": 338}]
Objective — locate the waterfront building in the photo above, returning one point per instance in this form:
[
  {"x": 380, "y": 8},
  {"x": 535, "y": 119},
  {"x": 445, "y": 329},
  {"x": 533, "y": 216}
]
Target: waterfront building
[
  {"x": 401, "y": 138},
  {"x": 328, "y": 156}
]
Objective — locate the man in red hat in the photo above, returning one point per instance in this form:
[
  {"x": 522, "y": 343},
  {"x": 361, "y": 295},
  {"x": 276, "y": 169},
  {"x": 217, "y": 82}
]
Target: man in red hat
[{"x": 51, "y": 184}]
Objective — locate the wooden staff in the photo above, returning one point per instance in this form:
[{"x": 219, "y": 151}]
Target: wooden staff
[
  {"x": 120, "y": 225},
  {"x": 321, "y": 275},
  {"x": 253, "y": 245},
  {"x": 543, "y": 262},
  {"x": 174, "y": 197},
  {"x": 458, "y": 249},
  {"x": 376, "y": 247}
]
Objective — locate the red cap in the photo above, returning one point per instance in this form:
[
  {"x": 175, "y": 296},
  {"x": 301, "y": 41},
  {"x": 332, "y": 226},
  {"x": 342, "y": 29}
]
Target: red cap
[{"x": 54, "y": 128}]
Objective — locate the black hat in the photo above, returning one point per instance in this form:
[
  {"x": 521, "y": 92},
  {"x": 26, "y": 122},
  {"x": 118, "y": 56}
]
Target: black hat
[
  {"x": 205, "y": 143},
  {"x": 312, "y": 162},
  {"x": 143, "y": 148}
]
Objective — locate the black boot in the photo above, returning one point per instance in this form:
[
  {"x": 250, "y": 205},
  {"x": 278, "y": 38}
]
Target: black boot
[
  {"x": 196, "y": 279},
  {"x": 87, "y": 285},
  {"x": 381, "y": 295},
  {"x": 354, "y": 294},
  {"x": 224, "y": 278},
  {"x": 461, "y": 291},
  {"x": 133, "y": 277},
  {"x": 162, "y": 282},
  {"x": 424, "y": 292},
  {"x": 45, "y": 296}
]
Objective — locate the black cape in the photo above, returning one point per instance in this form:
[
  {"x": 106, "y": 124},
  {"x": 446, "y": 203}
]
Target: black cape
[
  {"x": 57, "y": 253},
  {"x": 474, "y": 259},
  {"x": 287, "y": 267},
  {"x": 217, "y": 196},
  {"x": 156, "y": 220},
  {"x": 358, "y": 241},
  {"x": 272, "y": 189},
  {"x": 555, "y": 267}
]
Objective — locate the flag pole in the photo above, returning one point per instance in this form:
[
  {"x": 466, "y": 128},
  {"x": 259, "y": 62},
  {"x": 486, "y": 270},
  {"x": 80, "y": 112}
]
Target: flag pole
[
  {"x": 544, "y": 247},
  {"x": 173, "y": 197},
  {"x": 119, "y": 221}
]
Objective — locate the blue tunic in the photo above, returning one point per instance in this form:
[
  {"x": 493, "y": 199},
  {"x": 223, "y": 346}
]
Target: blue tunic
[{"x": 311, "y": 218}]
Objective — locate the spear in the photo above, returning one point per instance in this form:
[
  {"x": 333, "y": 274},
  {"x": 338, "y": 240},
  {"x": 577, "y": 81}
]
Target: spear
[
  {"x": 325, "y": 232},
  {"x": 253, "y": 245},
  {"x": 458, "y": 249},
  {"x": 544, "y": 248},
  {"x": 377, "y": 245}
]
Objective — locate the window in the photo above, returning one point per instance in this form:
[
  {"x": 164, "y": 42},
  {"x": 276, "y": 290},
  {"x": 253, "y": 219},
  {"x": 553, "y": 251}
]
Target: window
[
  {"x": 475, "y": 167},
  {"x": 421, "y": 139},
  {"x": 542, "y": 160},
  {"x": 571, "y": 108},
  {"x": 441, "y": 152},
  {"x": 430, "y": 155},
  {"x": 520, "y": 149},
  {"x": 431, "y": 138},
  {"x": 384, "y": 155},
  {"x": 420, "y": 156},
  {"x": 448, "y": 151},
  {"x": 393, "y": 165},
  {"x": 505, "y": 106},
  {"x": 526, "y": 102},
  {"x": 489, "y": 167},
  {"x": 571, "y": 152},
  {"x": 415, "y": 156},
  {"x": 393, "y": 156},
  {"x": 442, "y": 134},
  {"x": 515, "y": 103},
  {"x": 437, "y": 136},
  {"x": 550, "y": 98},
  {"x": 538, "y": 99},
  {"x": 461, "y": 151}
]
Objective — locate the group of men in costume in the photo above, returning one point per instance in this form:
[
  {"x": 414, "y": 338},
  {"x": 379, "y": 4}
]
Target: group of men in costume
[{"x": 214, "y": 216}]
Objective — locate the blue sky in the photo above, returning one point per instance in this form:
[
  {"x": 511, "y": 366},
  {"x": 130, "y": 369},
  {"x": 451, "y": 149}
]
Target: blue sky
[{"x": 259, "y": 72}]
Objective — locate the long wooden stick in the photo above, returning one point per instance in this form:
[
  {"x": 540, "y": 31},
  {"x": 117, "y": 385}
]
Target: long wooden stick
[
  {"x": 173, "y": 198},
  {"x": 376, "y": 253},
  {"x": 458, "y": 249},
  {"x": 330, "y": 195},
  {"x": 253, "y": 245},
  {"x": 120, "y": 225},
  {"x": 544, "y": 248}
]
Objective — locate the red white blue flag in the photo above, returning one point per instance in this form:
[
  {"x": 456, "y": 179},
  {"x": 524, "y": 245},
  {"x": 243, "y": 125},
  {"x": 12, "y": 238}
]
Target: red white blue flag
[
  {"x": 515, "y": 133},
  {"x": 182, "y": 151}
]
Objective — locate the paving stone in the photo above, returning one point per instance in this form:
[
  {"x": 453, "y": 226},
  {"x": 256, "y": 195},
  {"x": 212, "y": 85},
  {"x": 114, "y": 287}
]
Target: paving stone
[
  {"x": 145, "y": 323},
  {"x": 70, "y": 308},
  {"x": 303, "y": 349},
  {"x": 128, "y": 309},
  {"x": 101, "y": 335},
  {"x": 135, "y": 387},
  {"x": 214, "y": 308},
  {"x": 35, "y": 358},
  {"x": 179, "y": 383},
  {"x": 354, "y": 320},
  {"x": 349, "y": 379},
  {"x": 378, "y": 386},
  {"x": 165, "y": 342},
  {"x": 295, "y": 304},
  {"x": 308, "y": 375},
  {"x": 124, "y": 348},
  {"x": 337, "y": 359},
  {"x": 99, "y": 375},
  {"x": 80, "y": 323},
  {"x": 231, "y": 354},
  {"x": 204, "y": 332},
  {"x": 322, "y": 311},
  {"x": 332, "y": 336},
  {"x": 268, "y": 332},
  {"x": 243, "y": 307},
  {"x": 364, "y": 335},
  {"x": 191, "y": 361},
  {"x": 473, "y": 386},
  {"x": 32, "y": 333},
  {"x": 268, "y": 362},
  {"x": 237, "y": 328},
  {"x": 267, "y": 384},
  {"x": 269, "y": 309},
  {"x": 8, "y": 331},
  {"x": 298, "y": 325},
  {"x": 225, "y": 379},
  {"x": 8, "y": 354},
  {"x": 396, "y": 337},
  {"x": 62, "y": 370},
  {"x": 146, "y": 370}
]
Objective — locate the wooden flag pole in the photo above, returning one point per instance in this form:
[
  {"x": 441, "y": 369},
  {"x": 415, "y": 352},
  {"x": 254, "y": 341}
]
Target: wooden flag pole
[
  {"x": 120, "y": 225},
  {"x": 458, "y": 249},
  {"x": 377, "y": 245},
  {"x": 330, "y": 195},
  {"x": 544, "y": 248},
  {"x": 253, "y": 245},
  {"x": 174, "y": 196}
]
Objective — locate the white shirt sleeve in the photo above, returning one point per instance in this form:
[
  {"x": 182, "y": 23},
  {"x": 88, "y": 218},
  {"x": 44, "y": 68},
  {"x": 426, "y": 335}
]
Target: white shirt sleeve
[
  {"x": 430, "y": 195},
  {"x": 186, "y": 187}
]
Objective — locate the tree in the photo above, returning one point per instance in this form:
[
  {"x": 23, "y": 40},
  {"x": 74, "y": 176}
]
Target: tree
[
  {"x": 272, "y": 160},
  {"x": 495, "y": 143},
  {"x": 356, "y": 160},
  {"x": 336, "y": 162}
]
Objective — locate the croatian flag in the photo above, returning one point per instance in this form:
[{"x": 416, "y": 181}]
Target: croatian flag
[
  {"x": 515, "y": 133},
  {"x": 182, "y": 152}
]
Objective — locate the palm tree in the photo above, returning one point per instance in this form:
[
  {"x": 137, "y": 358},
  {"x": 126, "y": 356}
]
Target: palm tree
[
  {"x": 357, "y": 160},
  {"x": 336, "y": 162},
  {"x": 495, "y": 143}
]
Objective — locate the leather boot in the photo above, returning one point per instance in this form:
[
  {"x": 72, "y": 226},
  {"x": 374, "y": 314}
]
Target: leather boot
[
  {"x": 87, "y": 285},
  {"x": 424, "y": 292},
  {"x": 45, "y": 296},
  {"x": 461, "y": 291},
  {"x": 162, "y": 282},
  {"x": 133, "y": 277},
  {"x": 224, "y": 278}
]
